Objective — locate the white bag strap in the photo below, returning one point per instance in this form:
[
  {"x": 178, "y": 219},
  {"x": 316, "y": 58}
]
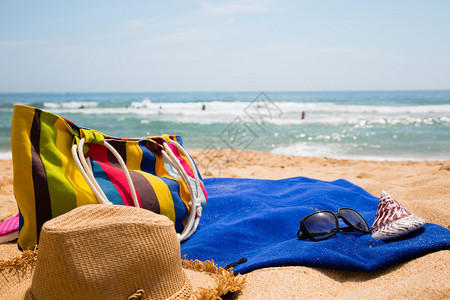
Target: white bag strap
[
  {"x": 195, "y": 204},
  {"x": 196, "y": 208},
  {"x": 82, "y": 164}
]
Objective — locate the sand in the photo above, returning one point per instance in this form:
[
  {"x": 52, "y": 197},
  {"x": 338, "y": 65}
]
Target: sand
[{"x": 422, "y": 187}]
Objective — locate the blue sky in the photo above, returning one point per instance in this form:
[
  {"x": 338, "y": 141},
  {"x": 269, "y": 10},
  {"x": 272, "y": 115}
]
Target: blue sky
[{"x": 141, "y": 46}]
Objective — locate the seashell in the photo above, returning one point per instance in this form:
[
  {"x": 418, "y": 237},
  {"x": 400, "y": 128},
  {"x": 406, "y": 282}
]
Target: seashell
[{"x": 392, "y": 220}]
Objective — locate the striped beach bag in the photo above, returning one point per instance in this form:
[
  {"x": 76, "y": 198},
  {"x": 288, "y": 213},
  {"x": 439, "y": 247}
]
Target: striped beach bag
[{"x": 59, "y": 166}]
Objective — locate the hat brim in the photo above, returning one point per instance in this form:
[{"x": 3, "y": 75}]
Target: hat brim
[
  {"x": 211, "y": 282},
  {"x": 203, "y": 279}
]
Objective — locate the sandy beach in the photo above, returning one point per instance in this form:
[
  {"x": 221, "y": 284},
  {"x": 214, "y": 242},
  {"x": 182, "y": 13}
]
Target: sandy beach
[{"x": 423, "y": 187}]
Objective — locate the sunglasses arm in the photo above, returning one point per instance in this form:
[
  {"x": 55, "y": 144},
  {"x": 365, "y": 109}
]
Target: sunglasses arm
[
  {"x": 300, "y": 235},
  {"x": 347, "y": 229}
]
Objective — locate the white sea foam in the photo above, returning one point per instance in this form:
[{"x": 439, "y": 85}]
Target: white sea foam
[
  {"x": 7, "y": 155},
  {"x": 284, "y": 107},
  {"x": 278, "y": 113},
  {"x": 70, "y": 105},
  {"x": 146, "y": 103},
  {"x": 401, "y": 131},
  {"x": 334, "y": 151},
  {"x": 304, "y": 149}
]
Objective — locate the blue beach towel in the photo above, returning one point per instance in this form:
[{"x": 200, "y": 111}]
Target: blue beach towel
[{"x": 258, "y": 220}]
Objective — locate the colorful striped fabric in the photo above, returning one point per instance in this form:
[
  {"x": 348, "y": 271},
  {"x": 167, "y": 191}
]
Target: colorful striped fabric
[{"x": 47, "y": 182}]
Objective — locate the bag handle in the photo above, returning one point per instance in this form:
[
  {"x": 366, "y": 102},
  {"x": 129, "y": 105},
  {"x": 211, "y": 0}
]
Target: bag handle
[
  {"x": 196, "y": 208},
  {"x": 88, "y": 175},
  {"x": 82, "y": 164}
]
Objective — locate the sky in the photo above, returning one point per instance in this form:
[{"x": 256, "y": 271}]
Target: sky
[{"x": 170, "y": 46}]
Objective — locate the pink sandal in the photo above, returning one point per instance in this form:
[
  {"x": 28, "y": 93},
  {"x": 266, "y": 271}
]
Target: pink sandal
[{"x": 9, "y": 229}]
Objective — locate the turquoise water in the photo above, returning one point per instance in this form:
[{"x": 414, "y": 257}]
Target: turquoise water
[{"x": 404, "y": 125}]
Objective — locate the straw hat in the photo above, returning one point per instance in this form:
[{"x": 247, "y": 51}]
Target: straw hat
[{"x": 111, "y": 252}]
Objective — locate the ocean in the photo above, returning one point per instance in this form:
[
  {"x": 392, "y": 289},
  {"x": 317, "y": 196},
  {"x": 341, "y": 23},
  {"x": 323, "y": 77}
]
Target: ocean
[{"x": 391, "y": 125}]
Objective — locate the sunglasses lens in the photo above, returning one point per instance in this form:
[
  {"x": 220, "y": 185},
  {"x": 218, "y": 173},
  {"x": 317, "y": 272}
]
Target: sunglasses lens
[
  {"x": 321, "y": 225},
  {"x": 355, "y": 219}
]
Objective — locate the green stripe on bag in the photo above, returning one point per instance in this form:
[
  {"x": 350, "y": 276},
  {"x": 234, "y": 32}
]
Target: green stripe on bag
[{"x": 59, "y": 186}]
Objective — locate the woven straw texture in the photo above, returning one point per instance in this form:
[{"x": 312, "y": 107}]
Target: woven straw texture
[
  {"x": 119, "y": 250},
  {"x": 112, "y": 252}
]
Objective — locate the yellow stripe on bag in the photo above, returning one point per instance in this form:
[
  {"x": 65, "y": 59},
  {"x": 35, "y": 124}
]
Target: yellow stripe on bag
[
  {"x": 134, "y": 159},
  {"x": 161, "y": 171},
  {"x": 21, "y": 151},
  {"x": 134, "y": 155},
  {"x": 64, "y": 141},
  {"x": 163, "y": 193}
]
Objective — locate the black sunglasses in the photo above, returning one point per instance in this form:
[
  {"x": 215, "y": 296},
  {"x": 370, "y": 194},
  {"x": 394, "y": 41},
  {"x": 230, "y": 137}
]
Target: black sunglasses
[{"x": 324, "y": 224}]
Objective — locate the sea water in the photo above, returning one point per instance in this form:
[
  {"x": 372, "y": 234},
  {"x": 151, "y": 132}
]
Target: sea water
[{"x": 393, "y": 125}]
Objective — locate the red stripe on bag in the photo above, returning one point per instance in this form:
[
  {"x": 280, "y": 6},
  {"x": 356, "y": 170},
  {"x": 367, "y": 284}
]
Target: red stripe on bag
[{"x": 99, "y": 153}]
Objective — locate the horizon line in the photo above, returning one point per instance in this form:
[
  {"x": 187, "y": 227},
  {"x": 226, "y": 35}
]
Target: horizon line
[{"x": 236, "y": 91}]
